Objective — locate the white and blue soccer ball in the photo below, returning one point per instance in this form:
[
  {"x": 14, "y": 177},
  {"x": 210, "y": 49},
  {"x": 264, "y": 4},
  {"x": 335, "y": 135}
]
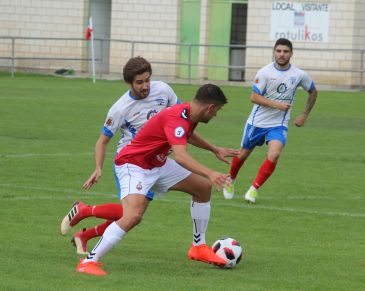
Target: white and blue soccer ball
[{"x": 228, "y": 249}]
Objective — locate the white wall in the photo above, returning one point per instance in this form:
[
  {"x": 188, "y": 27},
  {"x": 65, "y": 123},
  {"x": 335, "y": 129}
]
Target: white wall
[
  {"x": 346, "y": 31},
  {"x": 158, "y": 21},
  {"x": 37, "y": 18},
  {"x": 145, "y": 20}
]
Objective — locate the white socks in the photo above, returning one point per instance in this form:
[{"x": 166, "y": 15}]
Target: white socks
[
  {"x": 200, "y": 213},
  {"x": 112, "y": 235}
]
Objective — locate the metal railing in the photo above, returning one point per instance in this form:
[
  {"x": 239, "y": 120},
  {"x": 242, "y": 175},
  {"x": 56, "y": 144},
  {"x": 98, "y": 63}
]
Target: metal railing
[{"x": 12, "y": 56}]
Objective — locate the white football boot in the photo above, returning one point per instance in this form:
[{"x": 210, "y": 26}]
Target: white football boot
[
  {"x": 228, "y": 192},
  {"x": 251, "y": 195}
]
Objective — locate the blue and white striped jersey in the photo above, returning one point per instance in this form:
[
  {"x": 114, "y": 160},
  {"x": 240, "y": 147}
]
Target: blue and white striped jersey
[
  {"x": 279, "y": 85},
  {"x": 129, "y": 114}
]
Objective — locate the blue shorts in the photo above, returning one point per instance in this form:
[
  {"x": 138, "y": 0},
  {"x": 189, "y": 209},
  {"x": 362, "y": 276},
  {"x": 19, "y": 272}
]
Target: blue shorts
[{"x": 256, "y": 136}]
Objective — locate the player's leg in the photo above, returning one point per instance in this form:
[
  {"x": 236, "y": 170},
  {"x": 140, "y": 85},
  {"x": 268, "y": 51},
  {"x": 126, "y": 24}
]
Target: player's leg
[
  {"x": 237, "y": 162},
  {"x": 252, "y": 137},
  {"x": 200, "y": 189},
  {"x": 80, "y": 211},
  {"x": 80, "y": 238},
  {"x": 135, "y": 201},
  {"x": 134, "y": 206},
  {"x": 276, "y": 139}
]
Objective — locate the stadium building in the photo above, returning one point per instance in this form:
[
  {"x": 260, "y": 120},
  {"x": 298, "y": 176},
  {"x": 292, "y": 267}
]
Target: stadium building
[{"x": 194, "y": 40}]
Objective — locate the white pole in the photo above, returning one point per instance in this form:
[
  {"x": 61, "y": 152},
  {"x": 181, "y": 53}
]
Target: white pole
[{"x": 92, "y": 49}]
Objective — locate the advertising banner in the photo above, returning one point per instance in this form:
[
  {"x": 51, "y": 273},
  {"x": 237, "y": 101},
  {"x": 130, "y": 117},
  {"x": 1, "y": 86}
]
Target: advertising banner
[{"x": 305, "y": 21}]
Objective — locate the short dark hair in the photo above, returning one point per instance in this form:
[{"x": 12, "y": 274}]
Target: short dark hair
[
  {"x": 135, "y": 66},
  {"x": 284, "y": 41},
  {"x": 210, "y": 93}
]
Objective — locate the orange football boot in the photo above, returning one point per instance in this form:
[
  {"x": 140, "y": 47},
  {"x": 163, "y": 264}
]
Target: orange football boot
[
  {"x": 205, "y": 254},
  {"x": 91, "y": 268}
]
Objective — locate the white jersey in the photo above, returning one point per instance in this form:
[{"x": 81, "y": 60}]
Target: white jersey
[
  {"x": 278, "y": 85},
  {"x": 129, "y": 114}
]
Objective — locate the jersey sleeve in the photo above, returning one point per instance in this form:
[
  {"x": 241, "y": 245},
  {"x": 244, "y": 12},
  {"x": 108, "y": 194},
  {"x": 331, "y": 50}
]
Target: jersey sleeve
[
  {"x": 112, "y": 122},
  {"x": 172, "y": 98},
  {"x": 307, "y": 83},
  {"x": 260, "y": 82},
  {"x": 176, "y": 130}
]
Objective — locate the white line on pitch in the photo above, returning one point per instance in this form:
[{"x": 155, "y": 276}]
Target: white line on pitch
[
  {"x": 194, "y": 151},
  {"x": 174, "y": 200},
  {"x": 281, "y": 209},
  {"x": 58, "y": 198},
  {"x": 307, "y": 211},
  {"x": 76, "y": 191},
  {"x": 29, "y": 155},
  {"x": 81, "y": 192}
]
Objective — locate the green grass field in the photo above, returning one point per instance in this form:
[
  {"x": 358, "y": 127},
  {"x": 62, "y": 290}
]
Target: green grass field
[{"x": 306, "y": 233}]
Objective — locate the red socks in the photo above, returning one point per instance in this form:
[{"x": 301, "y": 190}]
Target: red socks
[
  {"x": 265, "y": 171},
  {"x": 96, "y": 231},
  {"x": 235, "y": 167},
  {"x": 110, "y": 211}
]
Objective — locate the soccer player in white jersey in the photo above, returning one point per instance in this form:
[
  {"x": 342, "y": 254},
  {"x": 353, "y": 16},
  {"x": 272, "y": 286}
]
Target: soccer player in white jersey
[
  {"x": 273, "y": 94},
  {"x": 144, "y": 99}
]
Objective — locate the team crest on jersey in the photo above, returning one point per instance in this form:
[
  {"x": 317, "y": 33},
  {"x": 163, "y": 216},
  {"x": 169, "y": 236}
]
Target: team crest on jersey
[
  {"x": 151, "y": 113},
  {"x": 160, "y": 101},
  {"x": 257, "y": 81},
  {"x": 139, "y": 186},
  {"x": 292, "y": 80},
  {"x": 179, "y": 131},
  {"x": 281, "y": 88},
  {"x": 161, "y": 158},
  {"x": 109, "y": 122},
  {"x": 184, "y": 114}
]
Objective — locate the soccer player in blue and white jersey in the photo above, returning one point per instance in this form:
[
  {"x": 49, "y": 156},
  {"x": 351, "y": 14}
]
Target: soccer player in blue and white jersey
[
  {"x": 131, "y": 111},
  {"x": 273, "y": 94}
]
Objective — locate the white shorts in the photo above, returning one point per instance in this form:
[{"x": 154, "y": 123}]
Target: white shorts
[{"x": 132, "y": 179}]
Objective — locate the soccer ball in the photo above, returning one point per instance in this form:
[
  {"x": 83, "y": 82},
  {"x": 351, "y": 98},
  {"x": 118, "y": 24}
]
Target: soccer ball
[{"x": 228, "y": 249}]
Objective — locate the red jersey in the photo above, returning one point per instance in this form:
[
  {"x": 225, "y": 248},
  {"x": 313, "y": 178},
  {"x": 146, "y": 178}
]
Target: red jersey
[{"x": 151, "y": 145}]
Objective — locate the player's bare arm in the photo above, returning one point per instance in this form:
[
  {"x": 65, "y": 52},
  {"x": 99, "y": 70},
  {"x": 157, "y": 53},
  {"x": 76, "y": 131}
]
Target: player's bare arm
[
  {"x": 220, "y": 152},
  {"x": 261, "y": 100},
  {"x": 100, "y": 150},
  {"x": 301, "y": 119},
  {"x": 183, "y": 158}
]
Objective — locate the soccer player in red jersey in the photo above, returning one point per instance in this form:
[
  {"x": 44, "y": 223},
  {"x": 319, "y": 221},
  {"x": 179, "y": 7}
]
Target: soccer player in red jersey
[
  {"x": 127, "y": 115},
  {"x": 144, "y": 165}
]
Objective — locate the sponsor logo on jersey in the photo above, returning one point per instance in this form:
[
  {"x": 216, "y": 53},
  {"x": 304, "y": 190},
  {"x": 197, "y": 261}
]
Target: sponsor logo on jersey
[
  {"x": 184, "y": 114},
  {"x": 281, "y": 88},
  {"x": 160, "y": 101},
  {"x": 139, "y": 186},
  {"x": 131, "y": 128},
  {"x": 151, "y": 113},
  {"x": 135, "y": 114},
  {"x": 109, "y": 122},
  {"x": 179, "y": 131}
]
